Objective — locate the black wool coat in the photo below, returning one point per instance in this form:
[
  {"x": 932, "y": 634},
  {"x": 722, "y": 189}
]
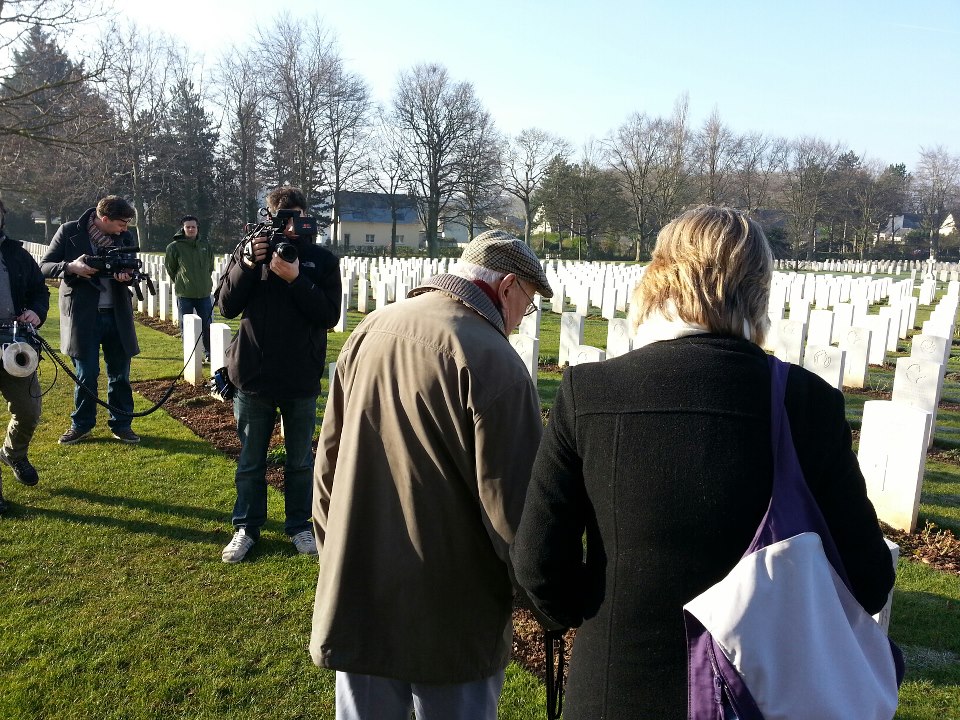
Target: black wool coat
[{"x": 662, "y": 459}]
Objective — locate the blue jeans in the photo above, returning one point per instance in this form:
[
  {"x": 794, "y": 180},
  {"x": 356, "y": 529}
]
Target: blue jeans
[
  {"x": 256, "y": 417},
  {"x": 365, "y": 697},
  {"x": 198, "y": 306},
  {"x": 87, "y": 367}
]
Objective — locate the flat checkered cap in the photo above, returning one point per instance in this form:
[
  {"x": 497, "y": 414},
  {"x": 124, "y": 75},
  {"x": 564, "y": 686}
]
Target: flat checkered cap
[{"x": 500, "y": 251}]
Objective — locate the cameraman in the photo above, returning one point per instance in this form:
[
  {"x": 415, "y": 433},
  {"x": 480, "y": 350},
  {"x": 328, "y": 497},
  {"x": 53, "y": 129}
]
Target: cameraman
[
  {"x": 276, "y": 362},
  {"x": 95, "y": 312},
  {"x": 24, "y": 297}
]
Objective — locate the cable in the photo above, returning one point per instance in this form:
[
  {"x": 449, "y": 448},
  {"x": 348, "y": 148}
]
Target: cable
[{"x": 44, "y": 345}]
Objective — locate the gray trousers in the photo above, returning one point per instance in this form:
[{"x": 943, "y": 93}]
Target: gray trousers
[
  {"x": 365, "y": 697},
  {"x": 23, "y": 400}
]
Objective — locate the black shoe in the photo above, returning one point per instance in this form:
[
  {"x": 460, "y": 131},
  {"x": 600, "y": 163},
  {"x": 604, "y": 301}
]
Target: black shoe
[
  {"x": 127, "y": 435},
  {"x": 72, "y": 436},
  {"x": 22, "y": 469}
]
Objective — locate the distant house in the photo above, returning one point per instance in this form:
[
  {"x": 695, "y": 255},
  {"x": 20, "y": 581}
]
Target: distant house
[
  {"x": 364, "y": 220},
  {"x": 949, "y": 223},
  {"x": 897, "y": 227}
]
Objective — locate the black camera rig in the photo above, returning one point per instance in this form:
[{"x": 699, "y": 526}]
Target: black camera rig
[
  {"x": 110, "y": 261},
  {"x": 273, "y": 228}
]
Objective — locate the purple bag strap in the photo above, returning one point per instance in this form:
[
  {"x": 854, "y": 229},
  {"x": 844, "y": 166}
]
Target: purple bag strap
[{"x": 793, "y": 509}]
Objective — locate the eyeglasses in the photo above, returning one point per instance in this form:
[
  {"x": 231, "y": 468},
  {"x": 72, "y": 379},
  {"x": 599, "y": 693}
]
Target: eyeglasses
[{"x": 532, "y": 307}]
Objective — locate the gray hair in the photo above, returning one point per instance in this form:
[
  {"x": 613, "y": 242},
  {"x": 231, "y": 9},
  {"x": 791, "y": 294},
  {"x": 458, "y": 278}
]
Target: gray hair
[{"x": 472, "y": 271}]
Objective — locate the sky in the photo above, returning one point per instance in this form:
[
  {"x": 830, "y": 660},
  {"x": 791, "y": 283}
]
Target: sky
[{"x": 876, "y": 75}]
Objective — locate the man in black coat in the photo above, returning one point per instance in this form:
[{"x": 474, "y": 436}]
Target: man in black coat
[
  {"x": 24, "y": 298},
  {"x": 96, "y": 312},
  {"x": 276, "y": 361}
]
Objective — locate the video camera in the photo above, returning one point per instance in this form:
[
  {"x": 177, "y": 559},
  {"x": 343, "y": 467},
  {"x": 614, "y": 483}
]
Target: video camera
[
  {"x": 110, "y": 261},
  {"x": 273, "y": 227}
]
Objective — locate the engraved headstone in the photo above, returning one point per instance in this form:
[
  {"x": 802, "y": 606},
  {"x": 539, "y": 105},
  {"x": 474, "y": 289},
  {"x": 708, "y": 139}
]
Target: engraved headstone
[{"x": 892, "y": 453}]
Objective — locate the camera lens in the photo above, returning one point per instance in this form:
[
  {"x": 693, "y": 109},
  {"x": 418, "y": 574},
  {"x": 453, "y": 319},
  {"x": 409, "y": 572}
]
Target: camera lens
[{"x": 287, "y": 251}]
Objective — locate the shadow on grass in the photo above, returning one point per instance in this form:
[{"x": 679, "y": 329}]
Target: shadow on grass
[
  {"x": 272, "y": 542},
  {"x": 134, "y": 503}
]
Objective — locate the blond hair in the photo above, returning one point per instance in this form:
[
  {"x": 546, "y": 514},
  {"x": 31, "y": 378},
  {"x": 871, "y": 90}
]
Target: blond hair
[{"x": 712, "y": 267}]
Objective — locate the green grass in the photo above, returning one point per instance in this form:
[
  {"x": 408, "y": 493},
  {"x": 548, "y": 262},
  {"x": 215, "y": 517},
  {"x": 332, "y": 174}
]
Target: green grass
[{"x": 114, "y": 602}]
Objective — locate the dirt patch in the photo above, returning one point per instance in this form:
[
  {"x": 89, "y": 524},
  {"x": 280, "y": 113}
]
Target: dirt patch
[
  {"x": 932, "y": 546},
  {"x": 209, "y": 418}
]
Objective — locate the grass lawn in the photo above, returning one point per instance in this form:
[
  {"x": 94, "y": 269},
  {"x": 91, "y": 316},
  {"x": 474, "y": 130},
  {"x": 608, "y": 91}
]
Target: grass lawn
[{"x": 115, "y": 604}]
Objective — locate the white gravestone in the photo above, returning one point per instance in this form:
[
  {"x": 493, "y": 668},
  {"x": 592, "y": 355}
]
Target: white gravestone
[
  {"x": 820, "y": 327},
  {"x": 917, "y": 383},
  {"x": 219, "y": 341},
  {"x": 167, "y": 308},
  {"x": 586, "y": 354},
  {"x": 530, "y": 324},
  {"x": 879, "y": 329},
  {"x": 363, "y": 291},
  {"x": 341, "y": 325},
  {"x": 883, "y": 617},
  {"x": 618, "y": 337},
  {"x": 856, "y": 344},
  {"x": 932, "y": 348},
  {"x": 893, "y": 328},
  {"x": 383, "y": 294},
  {"x": 192, "y": 349},
  {"x": 825, "y": 361},
  {"x": 842, "y": 319},
  {"x": 892, "y": 453},
  {"x": 791, "y": 337},
  {"x": 571, "y": 334},
  {"x": 528, "y": 348}
]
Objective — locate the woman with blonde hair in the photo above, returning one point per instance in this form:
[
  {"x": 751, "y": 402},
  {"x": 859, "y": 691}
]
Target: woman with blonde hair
[{"x": 661, "y": 459}]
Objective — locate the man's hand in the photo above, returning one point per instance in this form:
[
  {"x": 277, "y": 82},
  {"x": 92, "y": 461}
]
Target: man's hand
[
  {"x": 286, "y": 270},
  {"x": 80, "y": 268},
  {"x": 122, "y": 277},
  {"x": 29, "y": 316},
  {"x": 256, "y": 251}
]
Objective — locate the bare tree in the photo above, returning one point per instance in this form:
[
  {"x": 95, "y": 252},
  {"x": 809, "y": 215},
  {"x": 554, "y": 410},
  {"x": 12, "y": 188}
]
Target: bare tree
[
  {"x": 936, "y": 186},
  {"x": 878, "y": 195},
  {"x": 137, "y": 77},
  {"x": 757, "y": 162},
  {"x": 243, "y": 114},
  {"x": 435, "y": 117},
  {"x": 527, "y": 160},
  {"x": 807, "y": 173},
  {"x": 386, "y": 170},
  {"x": 480, "y": 182},
  {"x": 649, "y": 156},
  {"x": 295, "y": 75},
  {"x": 714, "y": 150},
  {"x": 344, "y": 124}
]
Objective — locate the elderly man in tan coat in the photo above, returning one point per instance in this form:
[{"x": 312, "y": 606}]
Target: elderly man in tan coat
[{"x": 428, "y": 439}]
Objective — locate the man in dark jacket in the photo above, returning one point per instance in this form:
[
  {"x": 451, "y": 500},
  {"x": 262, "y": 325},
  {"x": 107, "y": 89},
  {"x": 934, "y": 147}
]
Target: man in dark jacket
[
  {"x": 24, "y": 298},
  {"x": 276, "y": 361},
  {"x": 189, "y": 262},
  {"x": 94, "y": 312}
]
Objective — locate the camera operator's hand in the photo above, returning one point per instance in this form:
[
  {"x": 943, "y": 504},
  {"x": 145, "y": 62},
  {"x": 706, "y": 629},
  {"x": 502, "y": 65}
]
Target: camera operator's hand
[
  {"x": 122, "y": 277},
  {"x": 79, "y": 267},
  {"x": 286, "y": 270},
  {"x": 256, "y": 251},
  {"x": 29, "y": 316}
]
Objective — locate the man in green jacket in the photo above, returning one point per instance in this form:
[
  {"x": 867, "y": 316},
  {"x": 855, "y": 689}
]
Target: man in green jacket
[{"x": 189, "y": 262}]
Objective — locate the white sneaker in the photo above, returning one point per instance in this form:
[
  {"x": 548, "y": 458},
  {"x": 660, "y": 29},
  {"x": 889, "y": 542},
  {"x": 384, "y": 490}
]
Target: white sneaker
[
  {"x": 237, "y": 549},
  {"x": 305, "y": 543}
]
